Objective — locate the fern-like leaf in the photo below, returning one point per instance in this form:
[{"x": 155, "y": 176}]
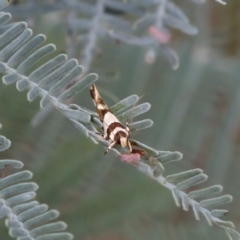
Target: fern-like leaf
[
  {"x": 49, "y": 81},
  {"x": 26, "y": 219}
]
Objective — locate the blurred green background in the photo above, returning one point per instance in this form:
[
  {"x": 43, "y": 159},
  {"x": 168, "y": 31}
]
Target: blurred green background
[{"x": 195, "y": 109}]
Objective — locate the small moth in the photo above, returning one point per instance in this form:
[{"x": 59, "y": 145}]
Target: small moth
[{"x": 114, "y": 131}]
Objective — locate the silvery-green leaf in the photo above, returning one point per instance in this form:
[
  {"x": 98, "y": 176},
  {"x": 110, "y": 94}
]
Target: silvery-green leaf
[
  {"x": 13, "y": 163},
  {"x": 232, "y": 234},
  {"x": 12, "y": 33},
  {"x": 4, "y": 3},
  {"x": 18, "y": 189},
  {"x": 215, "y": 202},
  {"x": 161, "y": 153},
  {"x": 206, "y": 192},
  {"x": 14, "y": 178},
  {"x": 170, "y": 55},
  {"x": 76, "y": 115},
  {"x": 207, "y": 216},
  {"x": 3, "y": 212},
  {"x": 54, "y": 236},
  {"x": 158, "y": 171},
  {"x": 12, "y": 223},
  {"x": 96, "y": 121},
  {"x": 2, "y": 68},
  {"x": 81, "y": 127},
  {"x": 11, "y": 78},
  {"x": 219, "y": 213},
  {"x": 43, "y": 71},
  {"x": 176, "y": 23},
  {"x": 98, "y": 138},
  {"x": 192, "y": 181},
  {"x": 130, "y": 38},
  {"x": 174, "y": 178},
  {"x": 5, "y": 17},
  {"x": 170, "y": 157},
  {"x": 4, "y": 143},
  {"x": 20, "y": 55},
  {"x": 6, "y": 27},
  {"x": 145, "y": 21},
  {"x": 117, "y": 22},
  {"x": 174, "y": 10},
  {"x": 11, "y": 48},
  {"x": 140, "y": 125},
  {"x": 33, "y": 93},
  {"x": 35, "y": 58},
  {"x": 134, "y": 112},
  {"x": 87, "y": 81},
  {"x": 22, "y": 85},
  {"x": 41, "y": 219},
  {"x": 48, "y": 228},
  {"x": 124, "y": 104},
  {"x": 62, "y": 84},
  {"x": 144, "y": 168},
  {"x": 150, "y": 151},
  {"x": 26, "y": 238},
  {"x": 21, "y": 198},
  {"x": 45, "y": 101},
  {"x": 176, "y": 197},
  {"x": 24, "y": 207},
  {"x": 17, "y": 232},
  {"x": 94, "y": 140},
  {"x": 185, "y": 202},
  {"x": 107, "y": 75},
  {"x": 33, "y": 212},
  {"x": 195, "y": 208},
  {"x": 226, "y": 224},
  {"x": 56, "y": 75}
]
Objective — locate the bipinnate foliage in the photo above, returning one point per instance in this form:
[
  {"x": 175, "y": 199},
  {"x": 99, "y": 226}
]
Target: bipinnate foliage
[
  {"x": 26, "y": 218},
  {"x": 59, "y": 79},
  {"x": 147, "y": 23}
]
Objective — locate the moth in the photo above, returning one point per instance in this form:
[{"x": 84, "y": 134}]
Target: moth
[{"x": 113, "y": 129}]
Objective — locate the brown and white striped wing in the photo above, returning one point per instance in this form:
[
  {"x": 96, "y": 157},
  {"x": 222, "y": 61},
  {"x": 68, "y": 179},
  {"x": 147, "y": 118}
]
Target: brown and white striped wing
[
  {"x": 101, "y": 107},
  {"x": 114, "y": 131}
]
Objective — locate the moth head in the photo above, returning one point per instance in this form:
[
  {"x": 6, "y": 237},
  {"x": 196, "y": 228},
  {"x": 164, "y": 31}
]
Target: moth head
[{"x": 123, "y": 141}]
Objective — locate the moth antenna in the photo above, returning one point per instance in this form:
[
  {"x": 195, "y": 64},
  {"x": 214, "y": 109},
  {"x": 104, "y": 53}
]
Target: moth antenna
[{"x": 131, "y": 118}]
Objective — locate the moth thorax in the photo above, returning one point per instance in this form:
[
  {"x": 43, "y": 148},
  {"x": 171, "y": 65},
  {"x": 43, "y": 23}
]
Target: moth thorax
[{"x": 123, "y": 141}]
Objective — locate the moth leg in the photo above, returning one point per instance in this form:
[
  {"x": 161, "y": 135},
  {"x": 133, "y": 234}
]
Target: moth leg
[
  {"x": 98, "y": 133},
  {"x": 110, "y": 147},
  {"x": 105, "y": 136},
  {"x": 133, "y": 143},
  {"x": 129, "y": 146}
]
